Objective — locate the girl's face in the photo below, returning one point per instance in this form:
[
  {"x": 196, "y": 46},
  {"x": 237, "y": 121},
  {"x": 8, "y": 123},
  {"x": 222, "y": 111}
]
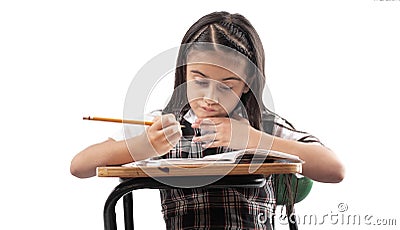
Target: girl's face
[{"x": 213, "y": 91}]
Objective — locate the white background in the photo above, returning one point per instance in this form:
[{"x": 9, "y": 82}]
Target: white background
[{"x": 332, "y": 67}]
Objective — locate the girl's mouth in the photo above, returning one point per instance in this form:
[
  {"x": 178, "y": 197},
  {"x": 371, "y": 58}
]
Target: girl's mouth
[{"x": 208, "y": 109}]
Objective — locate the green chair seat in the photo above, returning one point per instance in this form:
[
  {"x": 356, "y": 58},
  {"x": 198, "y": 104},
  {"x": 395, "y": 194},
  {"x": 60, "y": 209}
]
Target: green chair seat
[{"x": 301, "y": 187}]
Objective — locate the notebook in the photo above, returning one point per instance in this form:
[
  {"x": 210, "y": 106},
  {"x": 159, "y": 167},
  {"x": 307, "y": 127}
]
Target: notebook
[{"x": 256, "y": 156}]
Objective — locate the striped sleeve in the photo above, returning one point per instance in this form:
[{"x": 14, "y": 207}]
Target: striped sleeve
[{"x": 286, "y": 130}]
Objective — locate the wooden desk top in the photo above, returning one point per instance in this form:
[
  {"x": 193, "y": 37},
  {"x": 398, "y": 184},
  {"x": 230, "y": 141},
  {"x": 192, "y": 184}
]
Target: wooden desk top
[{"x": 198, "y": 170}]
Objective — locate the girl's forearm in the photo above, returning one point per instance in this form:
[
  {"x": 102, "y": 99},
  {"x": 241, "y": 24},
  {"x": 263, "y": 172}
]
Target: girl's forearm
[
  {"x": 321, "y": 164},
  {"x": 109, "y": 152}
]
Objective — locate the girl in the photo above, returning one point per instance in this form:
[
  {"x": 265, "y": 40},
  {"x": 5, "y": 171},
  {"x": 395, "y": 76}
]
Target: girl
[{"x": 219, "y": 81}]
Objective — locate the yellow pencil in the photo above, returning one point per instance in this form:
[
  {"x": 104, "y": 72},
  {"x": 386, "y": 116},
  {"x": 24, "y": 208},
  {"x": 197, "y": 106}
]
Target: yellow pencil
[{"x": 133, "y": 122}]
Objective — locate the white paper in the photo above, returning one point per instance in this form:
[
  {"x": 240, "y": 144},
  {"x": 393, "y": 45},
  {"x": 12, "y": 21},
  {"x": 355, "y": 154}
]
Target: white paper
[{"x": 257, "y": 156}]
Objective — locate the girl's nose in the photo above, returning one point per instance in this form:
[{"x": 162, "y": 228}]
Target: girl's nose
[
  {"x": 210, "y": 101},
  {"x": 211, "y": 96}
]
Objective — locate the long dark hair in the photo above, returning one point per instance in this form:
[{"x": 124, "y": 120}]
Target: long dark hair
[{"x": 235, "y": 32}]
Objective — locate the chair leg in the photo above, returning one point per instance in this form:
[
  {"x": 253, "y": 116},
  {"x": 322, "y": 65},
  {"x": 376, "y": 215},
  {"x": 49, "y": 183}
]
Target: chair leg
[
  {"x": 292, "y": 222},
  {"x": 128, "y": 211},
  {"x": 126, "y": 186}
]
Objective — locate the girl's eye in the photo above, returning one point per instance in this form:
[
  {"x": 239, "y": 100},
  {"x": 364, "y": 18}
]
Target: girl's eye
[
  {"x": 201, "y": 82},
  {"x": 224, "y": 87}
]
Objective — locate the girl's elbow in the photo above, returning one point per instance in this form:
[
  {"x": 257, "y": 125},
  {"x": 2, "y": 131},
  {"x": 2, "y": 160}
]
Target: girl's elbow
[
  {"x": 77, "y": 170},
  {"x": 341, "y": 173},
  {"x": 335, "y": 170},
  {"x": 80, "y": 173},
  {"x": 74, "y": 170},
  {"x": 332, "y": 173},
  {"x": 337, "y": 173}
]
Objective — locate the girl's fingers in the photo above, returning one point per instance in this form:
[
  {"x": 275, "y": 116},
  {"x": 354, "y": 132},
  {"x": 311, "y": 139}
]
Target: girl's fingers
[
  {"x": 156, "y": 118},
  {"x": 208, "y": 121},
  {"x": 156, "y": 123},
  {"x": 165, "y": 131},
  {"x": 172, "y": 130},
  {"x": 174, "y": 138},
  {"x": 164, "y": 121},
  {"x": 214, "y": 144},
  {"x": 206, "y": 125},
  {"x": 222, "y": 131},
  {"x": 205, "y": 138}
]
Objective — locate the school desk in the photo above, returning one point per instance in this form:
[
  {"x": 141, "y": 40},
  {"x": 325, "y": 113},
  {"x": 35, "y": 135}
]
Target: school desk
[{"x": 167, "y": 177}]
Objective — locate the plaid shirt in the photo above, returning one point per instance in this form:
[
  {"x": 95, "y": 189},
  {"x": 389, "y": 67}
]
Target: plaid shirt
[{"x": 229, "y": 208}]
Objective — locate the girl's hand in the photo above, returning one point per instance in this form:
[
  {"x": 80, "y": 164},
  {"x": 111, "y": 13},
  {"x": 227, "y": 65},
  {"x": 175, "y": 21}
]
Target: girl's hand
[
  {"x": 164, "y": 133},
  {"x": 223, "y": 131},
  {"x": 157, "y": 140}
]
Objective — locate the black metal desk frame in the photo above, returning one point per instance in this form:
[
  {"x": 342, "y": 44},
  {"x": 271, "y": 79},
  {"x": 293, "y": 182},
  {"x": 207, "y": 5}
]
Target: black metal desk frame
[{"x": 125, "y": 188}]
